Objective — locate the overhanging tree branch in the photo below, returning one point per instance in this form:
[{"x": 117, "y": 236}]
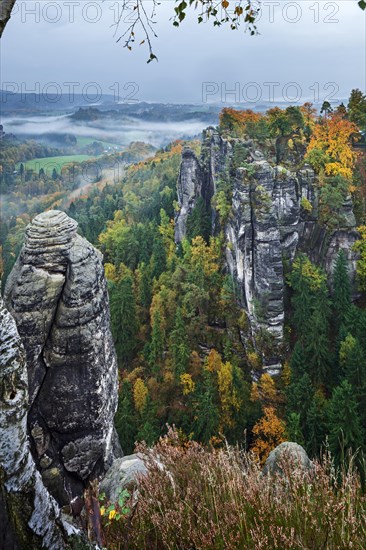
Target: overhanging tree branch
[
  {"x": 233, "y": 13},
  {"x": 6, "y": 7}
]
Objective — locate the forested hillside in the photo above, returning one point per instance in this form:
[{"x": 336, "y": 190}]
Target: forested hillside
[
  {"x": 184, "y": 341},
  {"x": 189, "y": 354}
]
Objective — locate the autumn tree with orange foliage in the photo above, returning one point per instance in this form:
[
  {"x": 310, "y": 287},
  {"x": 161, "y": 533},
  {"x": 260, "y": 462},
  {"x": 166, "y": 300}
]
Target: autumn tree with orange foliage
[
  {"x": 235, "y": 122},
  {"x": 268, "y": 432},
  {"x": 330, "y": 148}
]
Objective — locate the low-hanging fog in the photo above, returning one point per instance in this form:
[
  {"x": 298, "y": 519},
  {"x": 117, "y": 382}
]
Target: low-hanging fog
[{"x": 122, "y": 131}]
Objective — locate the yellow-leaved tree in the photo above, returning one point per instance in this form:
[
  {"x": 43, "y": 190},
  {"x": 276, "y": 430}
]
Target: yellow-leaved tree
[
  {"x": 205, "y": 258},
  {"x": 140, "y": 393},
  {"x": 229, "y": 399},
  {"x": 213, "y": 361},
  {"x": 330, "y": 147},
  {"x": 264, "y": 390},
  {"x": 187, "y": 383}
]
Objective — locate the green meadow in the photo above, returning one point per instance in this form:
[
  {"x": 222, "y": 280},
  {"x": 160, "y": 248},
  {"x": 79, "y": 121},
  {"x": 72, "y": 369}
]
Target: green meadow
[{"x": 49, "y": 163}]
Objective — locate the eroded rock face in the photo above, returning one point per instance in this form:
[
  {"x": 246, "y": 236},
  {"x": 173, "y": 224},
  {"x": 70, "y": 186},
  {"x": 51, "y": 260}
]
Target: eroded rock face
[
  {"x": 58, "y": 296},
  {"x": 29, "y": 516},
  {"x": 274, "y": 215}
]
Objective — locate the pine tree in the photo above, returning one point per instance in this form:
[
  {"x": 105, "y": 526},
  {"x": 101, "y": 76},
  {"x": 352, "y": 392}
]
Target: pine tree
[
  {"x": 149, "y": 428},
  {"x": 206, "y": 411},
  {"x": 297, "y": 362},
  {"x": 125, "y": 419},
  {"x": 179, "y": 345},
  {"x": 311, "y": 319},
  {"x": 299, "y": 395},
  {"x": 145, "y": 286},
  {"x": 342, "y": 289},
  {"x": 344, "y": 426},
  {"x": 157, "y": 343},
  {"x": 355, "y": 324},
  {"x": 309, "y": 285},
  {"x": 352, "y": 361},
  {"x": 158, "y": 259},
  {"x": 316, "y": 425},
  {"x": 357, "y": 108},
  {"x": 293, "y": 429},
  {"x": 242, "y": 408},
  {"x": 199, "y": 221},
  {"x": 124, "y": 317},
  {"x": 317, "y": 346}
]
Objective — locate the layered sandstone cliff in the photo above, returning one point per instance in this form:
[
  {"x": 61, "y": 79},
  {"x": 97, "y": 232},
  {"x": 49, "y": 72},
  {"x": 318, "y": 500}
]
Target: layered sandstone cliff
[{"x": 267, "y": 226}]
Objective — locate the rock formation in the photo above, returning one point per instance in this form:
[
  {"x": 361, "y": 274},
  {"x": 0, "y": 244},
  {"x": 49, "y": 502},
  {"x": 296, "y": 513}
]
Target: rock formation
[
  {"x": 289, "y": 455},
  {"x": 29, "y": 517},
  {"x": 189, "y": 189},
  {"x": 274, "y": 215},
  {"x": 123, "y": 474},
  {"x": 58, "y": 297}
]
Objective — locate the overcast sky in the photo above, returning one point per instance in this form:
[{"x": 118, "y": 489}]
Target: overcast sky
[{"x": 318, "y": 45}]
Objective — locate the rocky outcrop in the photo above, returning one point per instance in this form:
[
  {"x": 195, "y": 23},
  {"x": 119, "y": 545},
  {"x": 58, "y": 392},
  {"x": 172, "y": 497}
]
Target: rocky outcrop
[
  {"x": 58, "y": 297},
  {"x": 29, "y": 517},
  {"x": 274, "y": 215},
  {"x": 189, "y": 189}
]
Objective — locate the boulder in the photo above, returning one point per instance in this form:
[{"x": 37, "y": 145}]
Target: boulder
[
  {"x": 290, "y": 453},
  {"x": 123, "y": 474}
]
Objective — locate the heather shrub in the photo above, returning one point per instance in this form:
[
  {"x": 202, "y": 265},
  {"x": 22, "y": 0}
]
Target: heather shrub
[{"x": 199, "y": 498}]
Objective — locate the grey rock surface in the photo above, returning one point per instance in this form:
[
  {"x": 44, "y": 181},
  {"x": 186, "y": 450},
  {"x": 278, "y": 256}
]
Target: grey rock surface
[
  {"x": 288, "y": 453},
  {"x": 29, "y": 517},
  {"x": 123, "y": 474},
  {"x": 267, "y": 227},
  {"x": 189, "y": 189},
  {"x": 57, "y": 294}
]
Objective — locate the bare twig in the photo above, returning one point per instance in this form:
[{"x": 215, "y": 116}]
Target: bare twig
[
  {"x": 221, "y": 12},
  {"x": 140, "y": 19}
]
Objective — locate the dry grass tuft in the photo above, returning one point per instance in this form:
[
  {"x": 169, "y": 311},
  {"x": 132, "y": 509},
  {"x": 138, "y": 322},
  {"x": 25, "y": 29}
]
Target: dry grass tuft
[{"x": 195, "y": 498}]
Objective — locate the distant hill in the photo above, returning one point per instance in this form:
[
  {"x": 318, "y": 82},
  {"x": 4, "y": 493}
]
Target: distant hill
[{"x": 15, "y": 102}]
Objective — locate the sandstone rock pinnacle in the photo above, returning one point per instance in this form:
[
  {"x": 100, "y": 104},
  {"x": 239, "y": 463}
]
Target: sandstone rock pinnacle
[{"x": 57, "y": 294}]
